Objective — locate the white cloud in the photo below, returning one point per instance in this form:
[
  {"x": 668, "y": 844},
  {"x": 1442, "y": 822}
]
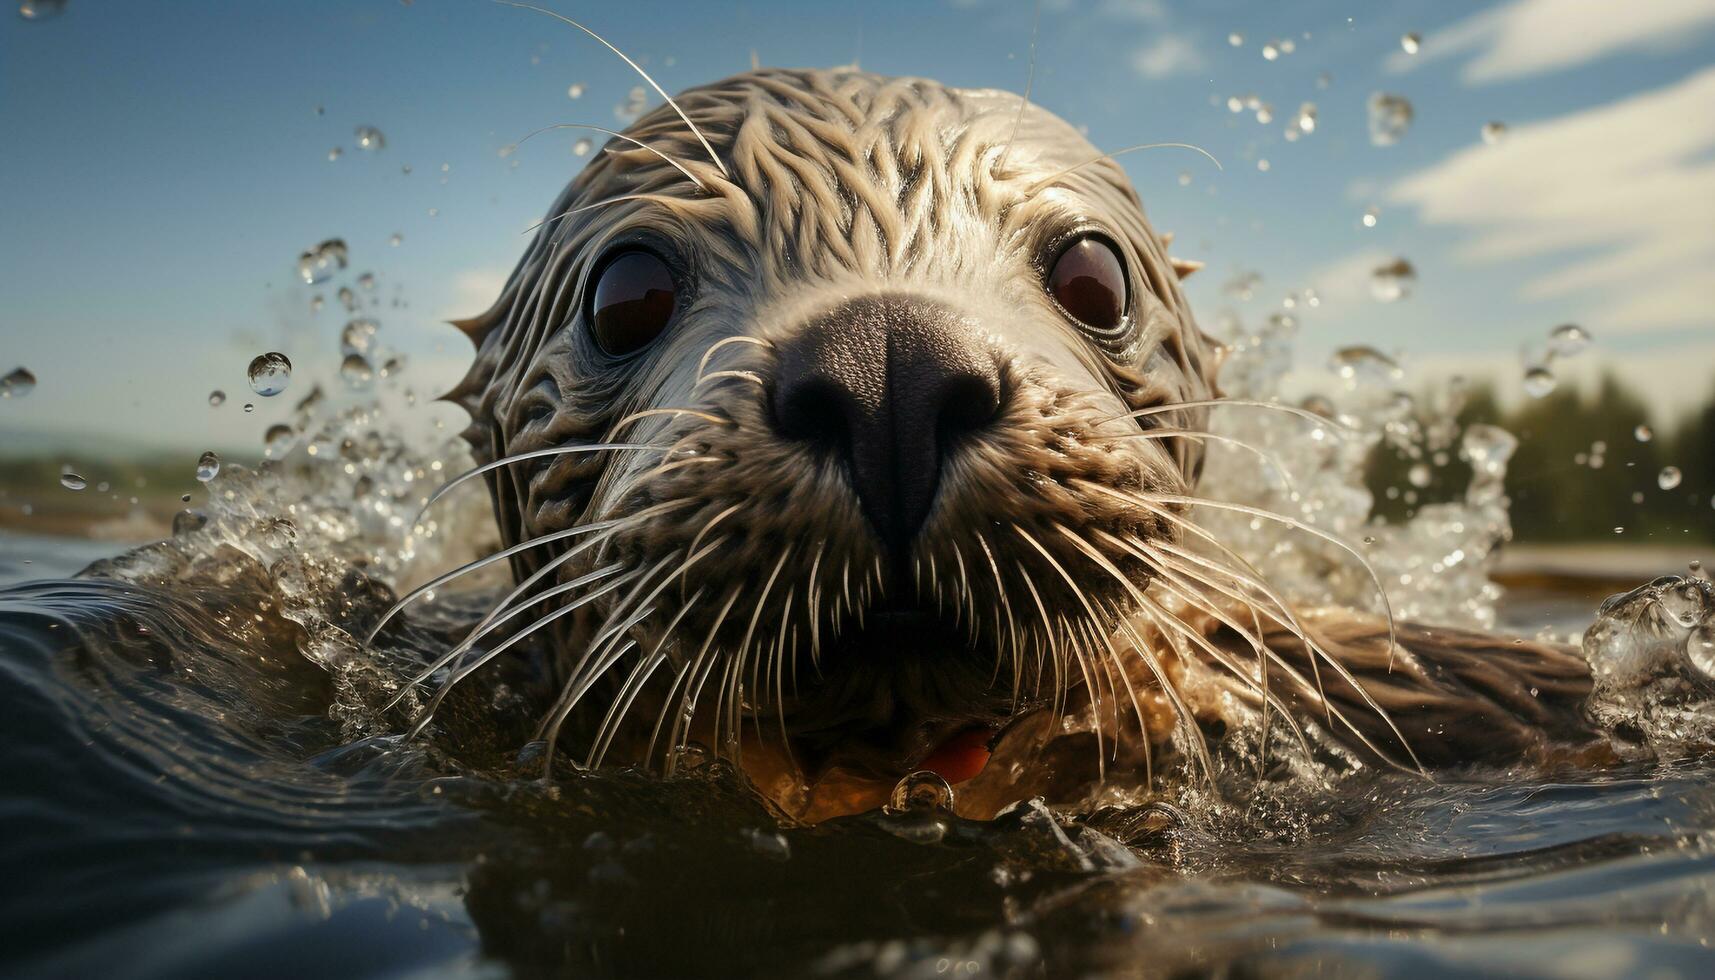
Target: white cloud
[
  {"x": 1150, "y": 11},
  {"x": 1530, "y": 37},
  {"x": 1344, "y": 284},
  {"x": 1168, "y": 54},
  {"x": 473, "y": 291},
  {"x": 1624, "y": 192}
]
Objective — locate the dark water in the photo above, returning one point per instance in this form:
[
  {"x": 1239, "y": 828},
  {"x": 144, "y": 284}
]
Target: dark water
[{"x": 175, "y": 799}]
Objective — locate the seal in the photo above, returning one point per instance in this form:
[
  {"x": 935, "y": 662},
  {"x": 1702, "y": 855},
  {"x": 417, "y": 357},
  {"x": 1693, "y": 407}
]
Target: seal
[{"x": 847, "y": 426}]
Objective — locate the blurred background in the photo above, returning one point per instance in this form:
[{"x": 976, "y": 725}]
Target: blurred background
[{"x": 1520, "y": 193}]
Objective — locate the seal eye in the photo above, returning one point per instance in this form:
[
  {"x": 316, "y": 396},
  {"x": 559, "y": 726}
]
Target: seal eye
[
  {"x": 634, "y": 298},
  {"x": 1088, "y": 281}
]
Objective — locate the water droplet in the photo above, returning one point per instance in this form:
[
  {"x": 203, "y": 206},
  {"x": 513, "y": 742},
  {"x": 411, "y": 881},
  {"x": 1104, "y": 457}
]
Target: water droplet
[
  {"x": 318, "y": 264},
  {"x": 1265, "y": 114},
  {"x": 208, "y": 467},
  {"x": 1270, "y": 51},
  {"x": 1487, "y": 448},
  {"x": 356, "y": 371},
  {"x": 1419, "y": 475},
  {"x": 1494, "y": 132},
  {"x": 1390, "y": 117},
  {"x": 1540, "y": 382},
  {"x": 316, "y": 303},
  {"x": 347, "y": 299},
  {"x": 41, "y": 9},
  {"x": 216, "y": 398},
  {"x": 635, "y": 102},
  {"x": 18, "y": 383},
  {"x": 1323, "y": 80},
  {"x": 1364, "y": 364},
  {"x": 1669, "y": 477},
  {"x": 187, "y": 521},
  {"x": 1567, "y": 340},
  {"x": 270, "y": 373},
  {"x": 1619, "y": 530},
  {"x": 1643, "y": 433},
  {"x": 1263, "y": 165},
  {"x": 370, "y": 138},
  {"x": 1184, "y": 178},
  {"x": 366, "y": 281},
  {"x": 71, "y": 481},
  {"x": 248, "y": 408},
  {"x": 582, "y": 147},
  {"x": 278, "y": 440},
  {"x": 1371, "y": 216},
  {"x": 1235, "y": 103},
  {"x": 1236, "y": 39},
  {"x": 395, "y": 239},
  {"x": 1306, "y": 117},
  {"x": 358, "y": 336},
  {"x": 575, "y": 90},
  {"x": 335, "y": 154},
  {"x": 1394, "y": 281},
  {"x": 921, "y": 790},
  {"x": 1410, "y": 43}
]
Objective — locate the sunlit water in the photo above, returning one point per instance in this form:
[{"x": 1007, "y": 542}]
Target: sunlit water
[{"x": 199, "y": 779}]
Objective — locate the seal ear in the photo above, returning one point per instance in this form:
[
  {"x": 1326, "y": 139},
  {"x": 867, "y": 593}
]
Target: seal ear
[
  {"x": 478, "y": 327},
  {"x": 1181, "y": 267}
]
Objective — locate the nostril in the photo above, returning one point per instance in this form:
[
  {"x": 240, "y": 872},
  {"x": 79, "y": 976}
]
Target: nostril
[
  {"x": 969, "y": 403},
  {"x": 814, "y": 410}
]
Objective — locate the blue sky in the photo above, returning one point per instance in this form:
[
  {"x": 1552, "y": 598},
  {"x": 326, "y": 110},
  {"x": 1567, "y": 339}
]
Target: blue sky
[{"x": 163, "y": 163}]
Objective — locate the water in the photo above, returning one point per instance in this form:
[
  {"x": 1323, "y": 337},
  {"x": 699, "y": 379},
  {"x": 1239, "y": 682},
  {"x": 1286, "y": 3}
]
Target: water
[{"x": 201, "y": 778}]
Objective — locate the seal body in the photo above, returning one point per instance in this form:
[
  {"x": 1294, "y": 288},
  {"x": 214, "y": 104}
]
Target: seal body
[{"x": 902, "y": 404}]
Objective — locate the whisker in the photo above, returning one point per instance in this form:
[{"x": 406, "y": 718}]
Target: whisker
[
  {"x": 1029, "y": 80},
  {"x": 634, "y": 67},
  {"x": 688, "y": 703},
  {"x": 1039, "y": 185},
  {"x": 477, "y": 565},
  {"x": 493, "y": 622},
  {"x": 703, "y": 363},
  {"x": 1187, "y": 720},
  {"x": 1293, "y": 410},
  {"x": 1082, "y": 600},
  {"x": 580, "y": 209},
  {"x": 1294, "y": 523},
  {"x": 1266, "y": 456},
  {"x": 459, "y": 675},
  {"x": 676, "y": 165},
  {"x": 443, "y": 489}
]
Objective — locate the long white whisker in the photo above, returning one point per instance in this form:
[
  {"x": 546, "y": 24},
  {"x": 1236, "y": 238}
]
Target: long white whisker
[
  {"x": 443, "y": 489},
  {"x": 480, "y": 563},
  {"x": 1039, "y": 185},
  {"x": 676, "y": 165},
  {"x": 634, "y": 67}
]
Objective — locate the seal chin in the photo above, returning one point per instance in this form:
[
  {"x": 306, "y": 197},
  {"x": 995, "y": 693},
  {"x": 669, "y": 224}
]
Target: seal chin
[{"x": 907, "y": 689}]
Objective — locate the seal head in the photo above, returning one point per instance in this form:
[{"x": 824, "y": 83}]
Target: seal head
[{"x": 884, "y": 356}]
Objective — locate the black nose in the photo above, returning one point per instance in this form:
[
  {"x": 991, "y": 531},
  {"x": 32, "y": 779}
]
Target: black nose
[{"x": 891, "y": 384}]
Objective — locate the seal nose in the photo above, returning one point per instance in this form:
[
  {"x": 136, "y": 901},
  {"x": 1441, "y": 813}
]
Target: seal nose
[{"x": 891, "y": 384}]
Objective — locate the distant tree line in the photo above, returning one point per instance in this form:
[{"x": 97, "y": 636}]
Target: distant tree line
[{"x": 1580, "y": 470}]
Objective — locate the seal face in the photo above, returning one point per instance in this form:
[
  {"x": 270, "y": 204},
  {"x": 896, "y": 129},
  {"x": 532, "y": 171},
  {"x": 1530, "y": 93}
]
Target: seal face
[{"x": 905, "y": 393}]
